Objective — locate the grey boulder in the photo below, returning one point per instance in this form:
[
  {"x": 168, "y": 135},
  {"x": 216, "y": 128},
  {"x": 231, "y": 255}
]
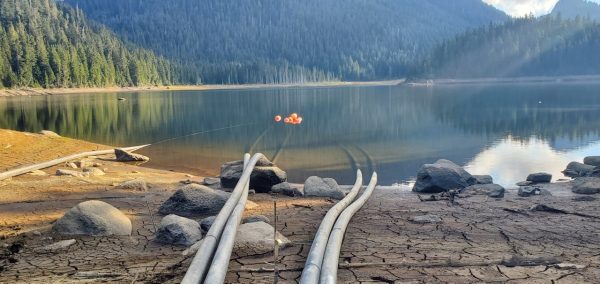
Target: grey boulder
[
  {"x": 586, "y": 185},
  {"x": 442, "y": 176},
  {"x": 592, "y": 161},
  {"x": 576, "y": 169},
  {"x": 539, "y": 178},
  {"x": 178, "y": 230},
  {"x": 93, "y": 218},
  {"x": 136, "y": 184},
  {"x": 193, "y": 200},
  {"x": 263, "y": 177},
  {"x": 125, "y": 156},
  {"x": 257, "y": 238},
  {"x": 207, "y": 222},
  {"x": 483, "y": 179},
  {"x": 491, "y": 190},
  {"x": 323, "y": 187},
  {"x": 288, "y": 189},
  {"x": 255, "y": 218}
]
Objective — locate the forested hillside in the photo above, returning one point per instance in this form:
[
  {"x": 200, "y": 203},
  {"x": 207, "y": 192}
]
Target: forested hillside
[
  {"x": 45, "y": 44},
  {"x": 547, "y": 46},
  {"x": 275, "y": 41},
  {"x": 577, "y": 8}
]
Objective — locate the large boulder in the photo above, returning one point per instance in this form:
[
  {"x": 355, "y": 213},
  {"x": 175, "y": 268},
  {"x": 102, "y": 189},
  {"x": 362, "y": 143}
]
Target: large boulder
[
  {"x": 442, "y": 176},
  {"x": 125, "y": 156},
  {"x": 592, "y": 161},
  {"x": 194, "y": 199},
  {"x": 483, "y": 179},
  {"x": 491, "y": 190},
  {"x": 288, "y": 189},
  {"x": 586, "y": 185},
  {"x": 178, "y": 230},
  {"x": 539, "y": 178},
  {"x": 93, "y": 218},
  {"x": 257, "y": 238},
  {"x": 263, "y": 177},
  {"x": 576, "y": 169},
  {"x": 323, "y": 187}
]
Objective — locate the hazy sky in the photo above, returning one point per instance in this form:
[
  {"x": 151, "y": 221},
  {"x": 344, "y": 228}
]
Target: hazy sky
[{"x": 524, "y": 7}]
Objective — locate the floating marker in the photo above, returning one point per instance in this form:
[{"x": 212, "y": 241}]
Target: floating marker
[{"x": 277, "y": 118}]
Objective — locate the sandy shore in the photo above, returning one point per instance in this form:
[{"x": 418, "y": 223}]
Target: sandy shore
[
  {"x": 477, "y": 239},
  {"x": 509, "y": 80},
  {"x": 65, "y": 91}
]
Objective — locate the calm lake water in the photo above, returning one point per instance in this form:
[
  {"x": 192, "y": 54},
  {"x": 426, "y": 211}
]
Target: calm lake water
[{"x": 505, "y": 131}]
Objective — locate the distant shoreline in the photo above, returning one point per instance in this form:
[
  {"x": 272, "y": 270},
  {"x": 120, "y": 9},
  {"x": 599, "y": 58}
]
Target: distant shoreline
[
  {"x": 511, "y": 80},
  {"x": 67, "y": 91}
]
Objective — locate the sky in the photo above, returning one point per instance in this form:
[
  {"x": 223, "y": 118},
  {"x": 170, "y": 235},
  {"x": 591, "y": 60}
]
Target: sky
[{"x": 520, "y": 8}]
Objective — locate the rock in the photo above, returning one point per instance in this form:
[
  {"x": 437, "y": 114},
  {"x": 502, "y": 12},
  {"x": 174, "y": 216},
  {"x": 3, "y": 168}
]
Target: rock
[
  {"x": 483, "y": 179},
  {"x": 442, "y": 176},
  {"x": 287, "y": 189},
  {"x": 426, "y": 219},
  {"x": 255, "y": 218},
  {"x": 135, "y": 184},
  {"x": 56, "y": 246},
  {"x": 63, "y": 172},
  {"x": 210, "y": 181},
  {"x": 193, "y": 200},
  {"x": 491, "y": 190},
  {"x": 323, "y": 187},
  {"x": 257, "y": 238},
  {"x": 251, "y": 191},
  {"x": 49, "y": 133},
  {"x": 178, "y": 230},
  {"x": 539, "y": 178},
  {"x": 263, "y": 177},
  {"x": 124, "y": 156},
  {"x": 524, "y": 183},
  {"x": 527, "y": 191},
  {"x": 93, "y": 172},
  {"x": 585, "y": 198},
  {"x": 85, "y": 163},
  {"x": 592, "y": 161},
  {"x": 576, "y": 169},
  {"x": 71, "y": 165},
  {"x": 586, "y": 185},
  {"x": 206, "y": 223},
  {"x": 93, "y": 218},
  {"x": 37, "y": 173}
]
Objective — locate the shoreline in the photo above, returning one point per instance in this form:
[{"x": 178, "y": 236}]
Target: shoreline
[
  {"x": 67, "y": 91},
  {"x": 507, "y": 80}
]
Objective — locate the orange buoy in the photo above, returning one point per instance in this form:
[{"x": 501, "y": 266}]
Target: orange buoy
[
  {"x": 277, "y": 118},
  {"x": 286, "y": 120},
  {"x": 294, "y": 115},
  {"x": 299, "y": 120}
]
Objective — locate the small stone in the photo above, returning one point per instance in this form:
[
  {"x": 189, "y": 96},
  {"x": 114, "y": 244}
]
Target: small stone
[
  {"x": 251, "y": 191},
  {"x": 64, "y": 172},
  {"x": 491, "y": 190},
  {"x": 206, "y": 223},
  {"x": 524, "y": 183},
  {"x": 483, "y": 179},
  {"x": 255, "y": 218},
  {"x": 84, "y": 163},
  {"x": 426, "y": 219},
  {"x": 189, "y": 176},
  {"x": 71, "y": 165},
  {"x": 592, "y": 161},
  {"x": 124, "y": 156},
  {"x": 287, "y": 189},
  {"x": 49, "y": 133},
  {"x": 539, "y": 178},
  {"x": 36, "y": 233},
  {"x": 136, "y": 184},
  {"x": 56, "y": 246},
  {"x": 178, "y": 230},
  {"x": 93, "y": 172},
  {"x": 210, "y": 181},
  {"x": 566, "y": 265}
]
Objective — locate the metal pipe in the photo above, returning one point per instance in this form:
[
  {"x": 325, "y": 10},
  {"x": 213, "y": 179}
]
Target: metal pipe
[
  {"x": 314, "y": 260},
  {"x": 334, "y": 244},
  {"x": 220, "y": 262},
  {"x": 47, "y": 164},
  {"x": 203, "y": 258}
]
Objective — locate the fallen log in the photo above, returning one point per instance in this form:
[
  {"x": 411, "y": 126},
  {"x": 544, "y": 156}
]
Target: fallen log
[{"x": 43, "y": 165}]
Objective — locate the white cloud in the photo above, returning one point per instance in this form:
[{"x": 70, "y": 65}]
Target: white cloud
[{"x": 519, "y": 8}]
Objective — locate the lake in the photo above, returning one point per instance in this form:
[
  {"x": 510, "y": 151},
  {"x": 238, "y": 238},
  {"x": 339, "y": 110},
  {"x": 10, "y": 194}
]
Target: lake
[{"x": 507, "y": 131}]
